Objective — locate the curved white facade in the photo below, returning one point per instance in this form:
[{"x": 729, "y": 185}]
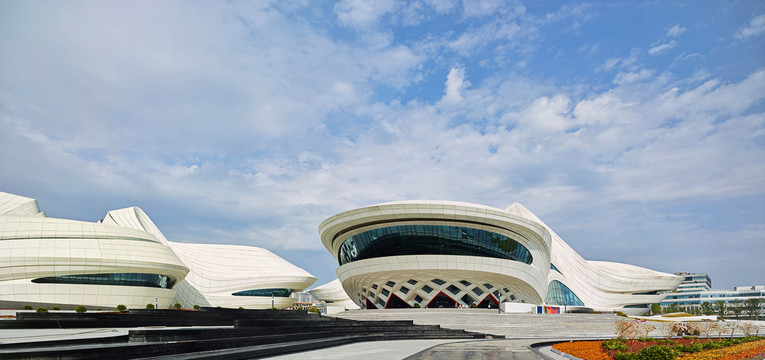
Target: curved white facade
[
  {"x": 441, "y": 253},
  {"x": 333, "y": 293},
  {"x": 125, "y": 259},
  {"x": 219, "y": 271},
  {"x": 39, "y": 255}
]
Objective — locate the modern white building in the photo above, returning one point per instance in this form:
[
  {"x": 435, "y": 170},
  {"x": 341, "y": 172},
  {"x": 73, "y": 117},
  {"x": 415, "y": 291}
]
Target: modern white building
[
  {"x": 694, "y": 282},
  {"x": 333, "y": 296},
  {"x": 125, "y": 259},
  {"x": 447, "y": 254},
  {"x": 692, "y": 300}
]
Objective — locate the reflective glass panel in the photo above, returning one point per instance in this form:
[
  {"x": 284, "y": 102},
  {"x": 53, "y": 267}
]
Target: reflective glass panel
[
  {"x": 118, "y": 279},
  {"x": 265, "y": 292},
  {"x": 431, "y": 240},
  {"x": 560, "y": 294}
]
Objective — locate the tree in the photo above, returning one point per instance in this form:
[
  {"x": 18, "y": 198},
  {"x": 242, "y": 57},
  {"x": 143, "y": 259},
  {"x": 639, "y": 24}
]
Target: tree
[
  {"x": 721, "y": 308},
  {"x": 177, "y": 306},
  {"x": 150, "y": 306},
  {"x": 655, "y": 309},
  {"x": 737, "y": 308},
  {"x": 753, "y": 307},
  {"x": 673, "y": 308},
  {"x": 121, "y": 308},
  {"x": 707, "y": 308},
  {"x": 80, "y": 309}
]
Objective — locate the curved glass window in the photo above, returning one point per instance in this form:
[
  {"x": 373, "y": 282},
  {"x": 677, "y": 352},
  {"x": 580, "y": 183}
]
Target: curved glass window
[
  {"x": 552, "y": 266},
  {"x": 265, "y": 292},
  {"x": 559, "y": 294},
  {"x": 431, "y": 240},
  {"x": 119, "y": 279}
]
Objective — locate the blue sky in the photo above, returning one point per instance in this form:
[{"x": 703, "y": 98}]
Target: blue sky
[{"x": 636, "y": 130}]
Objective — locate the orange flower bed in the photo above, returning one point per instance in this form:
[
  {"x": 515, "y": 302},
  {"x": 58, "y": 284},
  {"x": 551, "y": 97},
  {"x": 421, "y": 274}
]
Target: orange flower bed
[
  {"x": 589, "y": 350},
  {"x": 593, "y": 350},
  {"x": 735, "y": 352}
]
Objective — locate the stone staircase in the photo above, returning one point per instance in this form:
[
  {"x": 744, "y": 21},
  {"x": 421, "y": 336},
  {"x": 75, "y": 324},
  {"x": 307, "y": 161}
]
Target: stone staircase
[{"x": 211, "y": 334}]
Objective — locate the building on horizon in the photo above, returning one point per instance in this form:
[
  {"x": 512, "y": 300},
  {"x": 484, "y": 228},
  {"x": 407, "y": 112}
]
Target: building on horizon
[
  {"x": 690, "y": 301},
  {"x": 448, "y": 254},
  {"x": 124, "y": 259},
  {"x": 694, "y": 282}
]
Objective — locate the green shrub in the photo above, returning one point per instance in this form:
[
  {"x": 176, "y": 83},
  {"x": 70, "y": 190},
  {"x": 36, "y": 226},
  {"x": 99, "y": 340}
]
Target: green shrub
[
  {"x": 196, "y": 307},
  {"x": 619, "y": 313},
  {"x": 98, "y": 309},
  {"x": 177, "y": 306},
  {"x": 416, "y": 306},
  {"x": 694, "y": 348},
  {"x": 614, "y": 344},
  {"x": 122, "y": 308},
  {"x": 27, "y": 307},
  {"x": 625, "y": 356},
  {"x": 313, "y": 310},
  {"x": 55, "y": 308},
  {"x": 713, "y": 345},
  {"x": 80, "y": 309},
  {"x": 473, "y": 306},
  {"x": 241, "y": 308},
  {"x": 150, "y": 306},
  {"x": 657, "y": 352},
  {"x": 41, "y": 310}
]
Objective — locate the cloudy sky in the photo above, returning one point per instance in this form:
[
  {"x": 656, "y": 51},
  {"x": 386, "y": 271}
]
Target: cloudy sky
[{"x": 636, "y": 130}]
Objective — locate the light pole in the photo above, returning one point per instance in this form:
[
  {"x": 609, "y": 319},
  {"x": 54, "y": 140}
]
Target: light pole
[{"x": 272, "y": 301}]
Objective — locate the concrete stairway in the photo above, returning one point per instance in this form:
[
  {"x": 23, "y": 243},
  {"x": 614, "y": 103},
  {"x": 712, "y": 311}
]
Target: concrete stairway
[{"x": 238, "y": 334}]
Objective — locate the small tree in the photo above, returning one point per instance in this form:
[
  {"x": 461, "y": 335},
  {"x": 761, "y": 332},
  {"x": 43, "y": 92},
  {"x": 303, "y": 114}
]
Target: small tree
[
  {"x": 27, "y": 307},
  {"x": 736, "y": 308},
  {"x": 753, "y": 307},
  {"x": 721, "y": 308},
  {"x": 41, "y": 310},
  {"x": 122, "y": 308},
  {"x": 416, "y": 305},
  {"x": 80, "y": 309},
  {"x": 673, "y": 308},
  {"x": 707, "y": 308},
  {"x": 55, "y": 308},
  {"x": 177, "y": 306},
  {"x": 196, "y": 307},
  {"x": 150, "y": 306},
  {"x": 655, "y": 309}
]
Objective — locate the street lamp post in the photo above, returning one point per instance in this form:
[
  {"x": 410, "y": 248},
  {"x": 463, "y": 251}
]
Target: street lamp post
[{"x": 272, "y": 301}]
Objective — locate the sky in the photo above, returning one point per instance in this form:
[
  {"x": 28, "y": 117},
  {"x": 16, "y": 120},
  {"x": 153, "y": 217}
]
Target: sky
[{"x": 634, "y": 129}]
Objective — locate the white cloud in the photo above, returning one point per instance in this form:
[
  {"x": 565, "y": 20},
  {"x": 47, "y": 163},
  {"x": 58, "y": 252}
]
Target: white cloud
[
  {"x": 631, "y": 77},
  {"x": 361, "y": 14},
  {"x": 455, "y": 82},
  {"x": 661, "y": 48},
  {"x": 756, "y": 27},
  {"x": 675, "y": 31}
]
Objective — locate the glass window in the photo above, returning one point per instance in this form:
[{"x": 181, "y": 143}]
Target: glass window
[
  {"x": 488, "y": 286},
  {"x": 412, "y": 282},
  {"x": 390, "y": 284},
  {"x": 404, "y": 289},
  {"x": 453, "y": 289},
  {"x": 418, "y": 298},
  {"x": 552, "y": 266},
  {"x": 467, "y": 299},
  {"x": 560, "y": 294},
  {"x": 431, "y": 239},
  {"x": 477, "y": 291},
  {"x": 438, "y": 282},
  {"x": 427, "y": 289},
  {"x": 374, "y": 286},
  {"x": 117, "y": 279},
  {"x": 385, "y": 292},
  {"x": 465, "y": 282},
  {"x": 265, "y": 292}
]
